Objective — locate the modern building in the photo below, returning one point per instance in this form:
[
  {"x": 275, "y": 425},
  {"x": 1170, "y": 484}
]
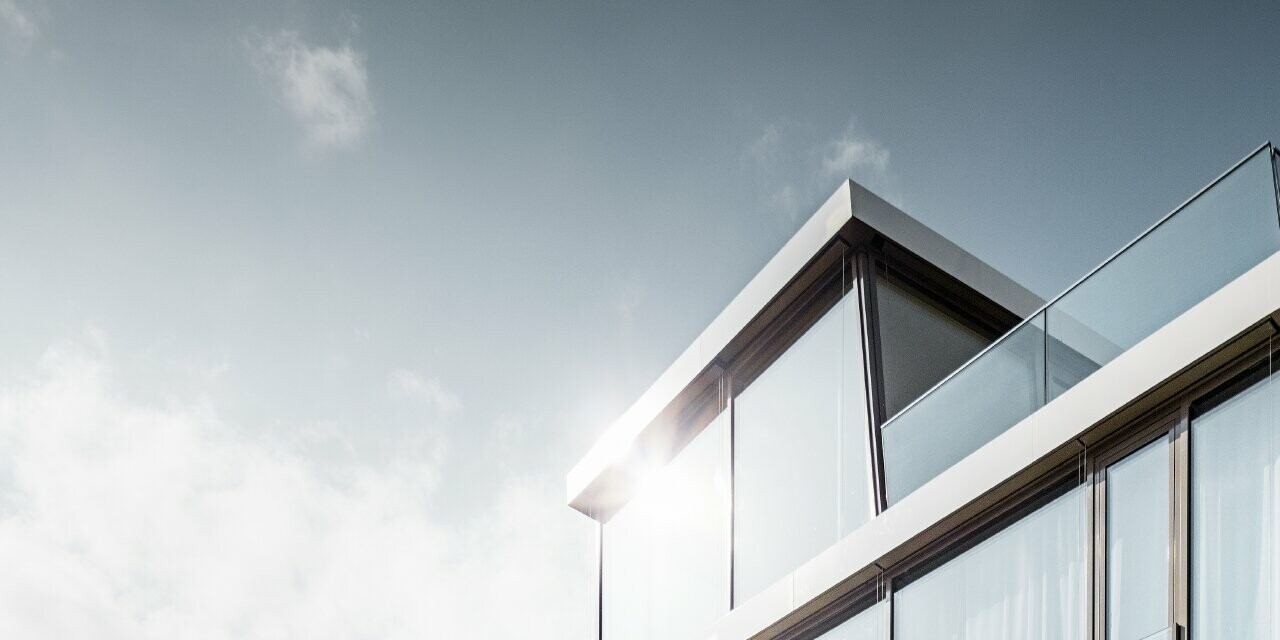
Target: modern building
[{"x": 883, "y": 437}]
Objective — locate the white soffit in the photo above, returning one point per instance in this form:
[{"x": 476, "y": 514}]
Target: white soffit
[{"x": 942, "y": 253}]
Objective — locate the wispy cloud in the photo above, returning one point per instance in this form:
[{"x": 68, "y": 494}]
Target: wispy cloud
[
  {"x": 765, "y": 148},
  {"x": 325, "y": 88},
  {"x": 403, "y": 383},
  {"x": 853, "y": 154},
  {"x": 20, "y": 25},
  {"x": 121, "y": 519},
  {"x": 796, "y": 168},
  {"x": 769, "y": 154}
]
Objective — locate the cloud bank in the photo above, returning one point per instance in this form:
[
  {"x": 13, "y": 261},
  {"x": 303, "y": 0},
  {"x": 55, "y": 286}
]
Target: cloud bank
[
  {"x": 326, "y": 89},
  {"x": 121, "y": 519}
]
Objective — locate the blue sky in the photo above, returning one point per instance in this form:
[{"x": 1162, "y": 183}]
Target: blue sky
[{"x": 309, "y": 307}]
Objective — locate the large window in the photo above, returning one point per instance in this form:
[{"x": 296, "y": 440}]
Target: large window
[
  {"x": 1025, "y": 582},
  {"x": 801, "y": 468},
  {"x": 1235, "y": 516},
  {"x": 1138, "y": 544},
  {"x": 666, "y": 554}
]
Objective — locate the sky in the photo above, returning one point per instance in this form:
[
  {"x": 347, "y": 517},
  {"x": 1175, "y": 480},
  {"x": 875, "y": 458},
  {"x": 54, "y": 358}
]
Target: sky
[{"x": 309, "y": 307}]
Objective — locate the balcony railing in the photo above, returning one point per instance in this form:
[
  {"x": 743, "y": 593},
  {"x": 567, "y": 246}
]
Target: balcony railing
[{"x": 1220, "y": 233}]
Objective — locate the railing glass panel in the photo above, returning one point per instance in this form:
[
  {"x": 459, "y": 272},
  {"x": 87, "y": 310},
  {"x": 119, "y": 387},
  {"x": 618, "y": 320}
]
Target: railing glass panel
[
  {"x": 1212, "y": 240},
  {"x": 1228, "y": 228},
  {"x": 992, "y": 393}
]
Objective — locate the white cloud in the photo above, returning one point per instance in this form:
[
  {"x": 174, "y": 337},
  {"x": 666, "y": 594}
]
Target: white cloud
[
  {"x": 403, "y": 383},
  {"x": 19, "y": 25},
  {"x": 121, "y": 519},
  {"x": 765, "y": 148},
  {"x": 852, "y": 154},
  {"x": 326, "y": 89},
  {"x": 796, "y": 168}
]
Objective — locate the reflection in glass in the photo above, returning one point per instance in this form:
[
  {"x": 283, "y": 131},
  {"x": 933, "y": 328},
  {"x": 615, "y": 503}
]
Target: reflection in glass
[
  {"x": 1235, "y": 468},
  {"x": 866, "y": 625},
  {"x": 1025, "y": 582},
  {"x": 998, "y": 389},
  {"x": 801, "y": 465},
  {"x": 919, "y": 344},
  {"x": 1138, "y": 544},
  {"x": 1213, "y": 239},
  {"x": 666, "y": 555}
]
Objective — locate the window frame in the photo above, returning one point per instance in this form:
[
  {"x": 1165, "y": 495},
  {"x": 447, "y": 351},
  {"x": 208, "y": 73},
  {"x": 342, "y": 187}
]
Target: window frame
[{"x": 1170, "y": 426}]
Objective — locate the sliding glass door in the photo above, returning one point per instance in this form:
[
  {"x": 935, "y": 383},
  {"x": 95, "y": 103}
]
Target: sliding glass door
[{"x": 1235, "y": 510}]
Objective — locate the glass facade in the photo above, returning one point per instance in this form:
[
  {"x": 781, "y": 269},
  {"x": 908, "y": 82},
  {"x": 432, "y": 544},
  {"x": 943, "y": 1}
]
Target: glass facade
[
  {"x": 801, "y": 459},
  {"x": 1184, "y": 522},
  {"x": 1027, "y": 581},
  {"x": 1235, "y": 516},
  {"x": 666, "y": 554},
  {"x": 1138, "y": 545}
]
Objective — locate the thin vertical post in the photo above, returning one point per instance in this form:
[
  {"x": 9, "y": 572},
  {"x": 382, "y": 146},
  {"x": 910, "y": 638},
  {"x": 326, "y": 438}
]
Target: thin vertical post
[
  {"x": 864, "y": 280},
  {"x": 599, "y": 580}
]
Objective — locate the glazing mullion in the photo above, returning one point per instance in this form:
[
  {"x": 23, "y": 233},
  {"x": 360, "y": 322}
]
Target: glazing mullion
[{"x": 1180, "y": 491}]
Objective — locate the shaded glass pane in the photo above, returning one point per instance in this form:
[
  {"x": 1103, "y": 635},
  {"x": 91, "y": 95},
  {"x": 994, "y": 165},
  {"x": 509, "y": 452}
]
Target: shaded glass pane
[
  {"x": 1138, "y": 544},
  {"x": 919, "y": 344},
  {"x": 1026, "y": 582},
  {"x": 666, "y": 564},
  {"x": 1235, "y": 457},
  {"x": 869, "y": 624},
  {"x": 801, "y": 470},
  {"x": 998, "y": 389},
  {"x": 1213, "y": 239}
]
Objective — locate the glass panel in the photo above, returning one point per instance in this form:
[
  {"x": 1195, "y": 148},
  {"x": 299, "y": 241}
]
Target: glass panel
[
  {"x": 919, "y": 344},
  {"x": 666, "y": 564},
  {"x": 1218, "y": 236},
  {"x": 625, "y": 572},
  {"x": 867, "y": 625},
  {"x": 1138, "y": 544},
  {"x": 1025, "y": 582},
  {"x": 1226, "y": 230},
  {"x": 999, "y": 388},
  {"x": 1234, "y": 508},
  {"x": 802, "y": 476}
]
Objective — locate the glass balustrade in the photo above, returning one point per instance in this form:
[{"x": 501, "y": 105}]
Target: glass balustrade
[{"x": 1217, "y": 236}]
